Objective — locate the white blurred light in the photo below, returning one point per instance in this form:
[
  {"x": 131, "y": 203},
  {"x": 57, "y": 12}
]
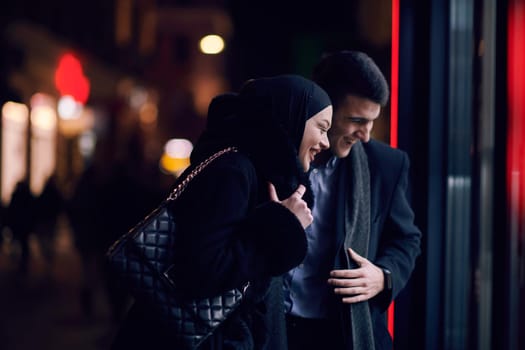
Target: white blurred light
[
  {"x": 14, "y": 111},
  {"x": 44, "y": 117},
  {"x": 42, "y": 99},
  {"x": 211, "y": 44},
  {"x": 86, "y": 143},
  {"x": 178, "y": 148},
  {"x": 68, "y": 108},
  {"x": 138, "y": 97},
  {"x": 13, "y": 157}
]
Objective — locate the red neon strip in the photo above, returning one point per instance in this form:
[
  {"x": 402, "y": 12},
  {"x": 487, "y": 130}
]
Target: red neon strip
[
  {"x": 516, "y": 120},
  {"x": 394, "y": 86},
  {"x": 394, "y": 83},
  {"x": 390, "y": 318}
]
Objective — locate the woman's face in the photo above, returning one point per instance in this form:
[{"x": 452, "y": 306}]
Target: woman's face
[{"x": 314, "y": 137}]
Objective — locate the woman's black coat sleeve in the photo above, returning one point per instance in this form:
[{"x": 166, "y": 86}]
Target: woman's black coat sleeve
[{"x": 226, "y": 237}]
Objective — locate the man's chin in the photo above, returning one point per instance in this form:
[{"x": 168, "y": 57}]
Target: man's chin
[{"x": 342, "y": 152}]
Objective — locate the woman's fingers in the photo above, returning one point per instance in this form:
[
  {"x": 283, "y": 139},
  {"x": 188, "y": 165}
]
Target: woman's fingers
[
  {"x": 300, "y": 191},
  {"x": 294, "y": 203},
  {"x": 273, "y": 193}
]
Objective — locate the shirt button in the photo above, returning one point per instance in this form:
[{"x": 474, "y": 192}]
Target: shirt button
[
  {"x": 301, "y": 266},
  {"x": 315, "y": 171}
]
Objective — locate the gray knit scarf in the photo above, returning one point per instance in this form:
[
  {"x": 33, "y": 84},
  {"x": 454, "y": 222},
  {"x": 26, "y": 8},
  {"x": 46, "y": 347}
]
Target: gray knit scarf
[{"x": 357, "y": 228}]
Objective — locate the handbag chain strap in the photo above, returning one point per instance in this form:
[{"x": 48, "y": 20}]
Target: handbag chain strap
[{"x": 181, "y": 186}]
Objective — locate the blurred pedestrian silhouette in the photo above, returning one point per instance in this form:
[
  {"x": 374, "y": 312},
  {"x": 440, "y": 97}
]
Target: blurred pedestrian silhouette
[
  {"x": 20, "y": 218},
  {"x": 49, "y": 205},
  {"x": 84, "y": 210}
]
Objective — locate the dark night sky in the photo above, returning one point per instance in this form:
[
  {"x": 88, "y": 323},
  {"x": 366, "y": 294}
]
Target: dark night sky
[
  {"x": 269, "y": 36},
  {"x": 285, "y": 36}
]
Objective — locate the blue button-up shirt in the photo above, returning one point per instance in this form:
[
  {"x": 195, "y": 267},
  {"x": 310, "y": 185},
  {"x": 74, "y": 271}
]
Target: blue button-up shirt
[{"x": 306, "y": 289}]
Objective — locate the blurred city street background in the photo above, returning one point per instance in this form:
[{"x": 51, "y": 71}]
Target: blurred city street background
[{"x": 51, "y": 306}]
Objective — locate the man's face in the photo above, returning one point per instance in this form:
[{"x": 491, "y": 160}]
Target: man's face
[{"x": 352, "y": 121}]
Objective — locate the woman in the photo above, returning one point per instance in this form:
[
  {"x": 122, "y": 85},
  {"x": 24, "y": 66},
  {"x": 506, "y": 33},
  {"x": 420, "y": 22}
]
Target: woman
[{"x": 234, "y": 228}]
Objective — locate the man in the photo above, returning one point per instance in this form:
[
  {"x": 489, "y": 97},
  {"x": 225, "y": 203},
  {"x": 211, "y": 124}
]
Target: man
[{"x": 363, "y": 243}]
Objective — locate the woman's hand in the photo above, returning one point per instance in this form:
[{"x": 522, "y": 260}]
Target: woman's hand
[{"x": 294, "y": 203}]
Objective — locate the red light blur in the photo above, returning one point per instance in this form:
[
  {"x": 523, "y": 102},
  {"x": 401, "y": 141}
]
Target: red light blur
[
  {"x": 516, "y": 110},
  {"x": 70, "y": 79}
]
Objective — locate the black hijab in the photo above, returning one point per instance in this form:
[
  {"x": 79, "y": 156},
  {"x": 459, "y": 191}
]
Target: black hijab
[
  {"x": 286, "y": 100},
  {"x": 266, "y": 120}
]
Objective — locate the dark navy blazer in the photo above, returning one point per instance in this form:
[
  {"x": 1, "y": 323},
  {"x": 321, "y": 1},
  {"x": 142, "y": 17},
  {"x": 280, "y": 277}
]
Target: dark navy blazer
[{"x": 394, "y": 238}]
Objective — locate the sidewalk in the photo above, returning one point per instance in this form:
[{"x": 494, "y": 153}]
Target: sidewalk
[{"x": 44, "y": 309}]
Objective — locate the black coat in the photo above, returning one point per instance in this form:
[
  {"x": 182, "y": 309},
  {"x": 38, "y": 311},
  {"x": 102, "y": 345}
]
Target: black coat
[
  {"x": 394, "y": 241},
  {"x": 394, "y": 237},
  {"x": 230, "y": 234}
]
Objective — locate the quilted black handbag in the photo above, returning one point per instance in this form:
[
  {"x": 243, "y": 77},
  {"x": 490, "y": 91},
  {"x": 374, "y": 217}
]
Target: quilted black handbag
[{"x": 142, "y": 258}]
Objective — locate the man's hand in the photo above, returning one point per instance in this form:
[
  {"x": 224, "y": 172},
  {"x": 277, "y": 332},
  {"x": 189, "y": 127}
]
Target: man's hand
[{"x": 358, "y": 284}]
